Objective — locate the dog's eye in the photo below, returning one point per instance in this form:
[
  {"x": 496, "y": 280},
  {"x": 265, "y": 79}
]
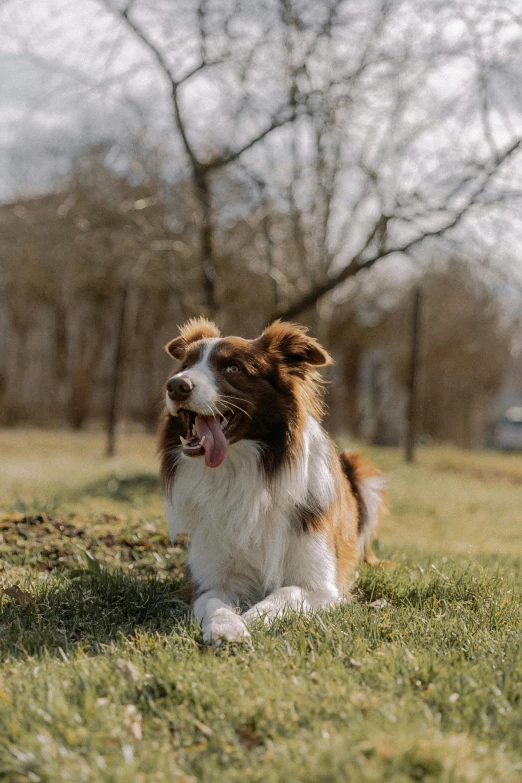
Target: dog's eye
[{"x": 232, "y": 368}]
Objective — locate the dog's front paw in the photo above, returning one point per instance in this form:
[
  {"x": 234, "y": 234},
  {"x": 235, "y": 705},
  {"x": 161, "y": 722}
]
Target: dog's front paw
[{"x": 225, "y": 626}]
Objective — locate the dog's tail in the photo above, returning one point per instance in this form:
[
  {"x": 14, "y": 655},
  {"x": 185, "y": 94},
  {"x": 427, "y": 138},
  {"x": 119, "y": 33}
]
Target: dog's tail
[{"x": 368, "y": 485}]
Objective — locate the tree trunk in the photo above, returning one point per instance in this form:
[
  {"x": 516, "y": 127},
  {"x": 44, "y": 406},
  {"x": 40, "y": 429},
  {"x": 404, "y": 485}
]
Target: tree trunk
[
  {"x": 117, "y": 367},
  {"x": 351, "y": 369},
  {"x": 206, "y": 239}
]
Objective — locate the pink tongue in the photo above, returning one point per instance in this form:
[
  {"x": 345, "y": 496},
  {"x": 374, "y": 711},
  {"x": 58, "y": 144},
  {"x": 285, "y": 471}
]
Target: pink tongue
[{"x": 215, "y": 444}]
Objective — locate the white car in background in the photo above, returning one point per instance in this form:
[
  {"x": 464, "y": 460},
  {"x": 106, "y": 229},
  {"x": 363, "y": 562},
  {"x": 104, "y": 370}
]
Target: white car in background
[{"x": 508, "y": 432}]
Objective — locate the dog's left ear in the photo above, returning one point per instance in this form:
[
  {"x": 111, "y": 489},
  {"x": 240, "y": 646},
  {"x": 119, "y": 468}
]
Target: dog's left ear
[
  {"x": 291, "y": 343},
  {"x": 195, "y": 329},
  {"x": 176, "y": 348}
]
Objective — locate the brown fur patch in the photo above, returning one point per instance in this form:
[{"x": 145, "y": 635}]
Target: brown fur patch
[
  {"x": 342, "y": 528},
  {"x": 358, "y": 469},
  {"x": 309, "y": 517}
]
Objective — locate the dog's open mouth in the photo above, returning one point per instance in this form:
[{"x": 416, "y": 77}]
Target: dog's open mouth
[{"x": 208, "y": 435}]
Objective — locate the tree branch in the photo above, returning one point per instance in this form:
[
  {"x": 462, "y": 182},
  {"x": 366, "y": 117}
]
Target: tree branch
[
  {"x": 228, "y": 157},
  {"x": 173, "y": 82},
  {"x": 200, "y": 169},
  {"x": 359, "y": 262}
]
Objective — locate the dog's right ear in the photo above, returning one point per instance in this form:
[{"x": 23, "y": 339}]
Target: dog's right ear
[{"x": 195, "y": 329}]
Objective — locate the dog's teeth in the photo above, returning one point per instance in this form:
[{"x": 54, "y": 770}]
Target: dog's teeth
[
  {"x": 201, "y": 442},
  {"x": 223, "y": 423},
  {"x": 183, "y": 440}
]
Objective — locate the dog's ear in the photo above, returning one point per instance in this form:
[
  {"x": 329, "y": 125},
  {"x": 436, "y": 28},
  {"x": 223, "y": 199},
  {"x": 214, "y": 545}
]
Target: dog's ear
[
  {"x": 176, "y": 348},
  {"x": 291, "y": 343},
  {"x": 195, "y": 329}
]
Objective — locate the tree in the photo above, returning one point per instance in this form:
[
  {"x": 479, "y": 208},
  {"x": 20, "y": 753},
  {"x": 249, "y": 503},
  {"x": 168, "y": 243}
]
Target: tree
[
  {"x": 369, "y": 128},
  {"x": 254, "y": 158}
]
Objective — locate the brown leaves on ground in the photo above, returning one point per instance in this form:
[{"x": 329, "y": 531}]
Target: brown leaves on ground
[
  {"x": 39, "y": 542},
  {"x": 20, "y": 596}
]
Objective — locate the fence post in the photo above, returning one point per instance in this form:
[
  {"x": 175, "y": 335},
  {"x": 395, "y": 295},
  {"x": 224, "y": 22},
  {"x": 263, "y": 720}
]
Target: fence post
[{"x": 413, "y": 376}]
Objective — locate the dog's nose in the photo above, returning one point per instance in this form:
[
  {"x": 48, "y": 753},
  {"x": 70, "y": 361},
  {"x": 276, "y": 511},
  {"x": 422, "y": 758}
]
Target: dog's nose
[{"x": 179, "y": 389}]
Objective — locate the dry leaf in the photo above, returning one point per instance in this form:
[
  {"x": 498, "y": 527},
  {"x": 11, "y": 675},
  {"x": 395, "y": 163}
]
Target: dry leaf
[{"x": 17, "y": 594}]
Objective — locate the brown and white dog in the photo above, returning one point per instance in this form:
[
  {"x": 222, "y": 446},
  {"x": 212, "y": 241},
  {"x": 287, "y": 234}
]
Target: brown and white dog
[{"x": 277, "y": 519}]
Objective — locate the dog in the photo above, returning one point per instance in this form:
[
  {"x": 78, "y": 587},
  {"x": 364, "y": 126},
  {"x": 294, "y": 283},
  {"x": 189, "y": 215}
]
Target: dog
[{"x": 277, "y": 519}]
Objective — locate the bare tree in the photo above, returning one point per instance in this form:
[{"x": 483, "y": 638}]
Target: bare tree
[
  {"x": 201, "y": 166},
  {"x": 280, "y": 148},
  {"x": 368, "y": 128}
]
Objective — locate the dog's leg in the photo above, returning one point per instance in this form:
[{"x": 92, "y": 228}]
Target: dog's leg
[
  {"x": 296, "y": 599},
  {"x": 219, "y": 620}
]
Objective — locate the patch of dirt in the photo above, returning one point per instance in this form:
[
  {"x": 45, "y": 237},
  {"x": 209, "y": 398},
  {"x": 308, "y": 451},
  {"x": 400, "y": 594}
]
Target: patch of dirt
[
  {"x": 249, "y": 737},
  {"x": 42, "y": 543}
]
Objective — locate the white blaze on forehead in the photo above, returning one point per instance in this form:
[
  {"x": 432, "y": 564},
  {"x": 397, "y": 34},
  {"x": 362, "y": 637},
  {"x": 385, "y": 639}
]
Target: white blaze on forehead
[
  {"x": 203, "y": 365},
  {"x": 201, "y": 375}
]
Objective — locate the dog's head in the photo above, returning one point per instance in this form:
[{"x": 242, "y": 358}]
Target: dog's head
[{"x": 228, "y": 389}]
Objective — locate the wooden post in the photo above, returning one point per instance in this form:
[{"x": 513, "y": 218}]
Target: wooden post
[
  {"x": 117, "y": 374},
  {"x": 413, "y": 378}
]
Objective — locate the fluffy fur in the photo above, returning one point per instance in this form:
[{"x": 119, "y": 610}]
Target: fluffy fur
[{"x": 283, "y": 519}]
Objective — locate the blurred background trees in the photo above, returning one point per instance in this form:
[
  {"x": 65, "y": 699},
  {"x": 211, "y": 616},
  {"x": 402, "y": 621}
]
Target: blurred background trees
[{"x": 249, "y": 160}]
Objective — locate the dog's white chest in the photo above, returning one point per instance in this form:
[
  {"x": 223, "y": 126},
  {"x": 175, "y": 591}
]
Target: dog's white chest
[
  {"x": 232, "y": 495},
  {"x": 240, "y": 523},
  {"x": 238, "y": 528}
]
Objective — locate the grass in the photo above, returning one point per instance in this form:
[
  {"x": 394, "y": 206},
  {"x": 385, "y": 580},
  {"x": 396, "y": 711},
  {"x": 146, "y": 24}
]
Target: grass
[{"x": 103, "y": 676}]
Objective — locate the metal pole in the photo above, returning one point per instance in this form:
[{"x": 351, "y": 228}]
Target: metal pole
[{"x": 413, "y": 378}]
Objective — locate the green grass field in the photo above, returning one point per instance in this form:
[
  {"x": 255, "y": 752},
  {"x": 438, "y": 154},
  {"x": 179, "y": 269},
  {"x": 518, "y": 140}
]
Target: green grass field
[{"x": 104, "y": 678}]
